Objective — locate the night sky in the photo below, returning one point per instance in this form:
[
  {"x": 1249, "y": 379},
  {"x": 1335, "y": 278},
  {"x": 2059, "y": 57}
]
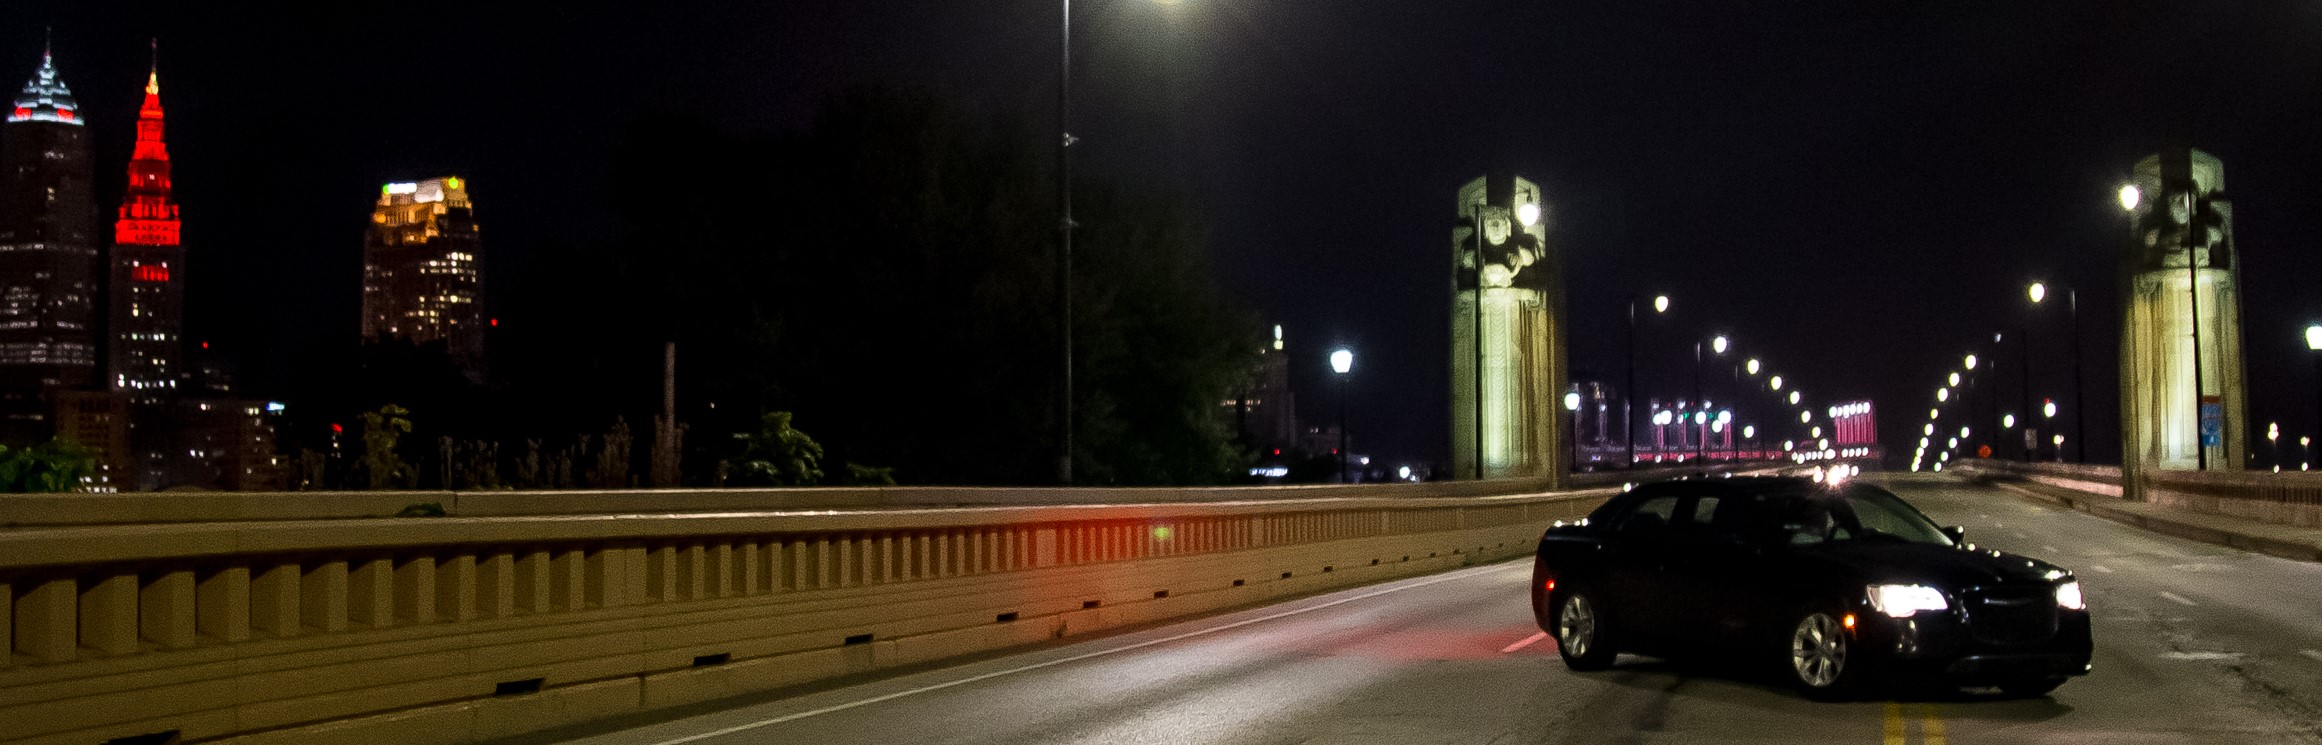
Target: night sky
[{"x": 1855, "y": 190}]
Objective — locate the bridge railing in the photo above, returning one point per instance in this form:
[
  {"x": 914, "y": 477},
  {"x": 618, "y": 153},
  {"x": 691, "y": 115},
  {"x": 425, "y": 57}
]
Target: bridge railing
[
  {"x": 326, "y": 627},
  {"x": 2280, "y": 498}
]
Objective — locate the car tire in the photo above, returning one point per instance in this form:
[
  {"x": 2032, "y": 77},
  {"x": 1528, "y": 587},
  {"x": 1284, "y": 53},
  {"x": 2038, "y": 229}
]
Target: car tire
[
  {"x": 1583, "y": 637},
  {"x": 2031, "y": 687},
  {"x": 1819, "y": 653}
]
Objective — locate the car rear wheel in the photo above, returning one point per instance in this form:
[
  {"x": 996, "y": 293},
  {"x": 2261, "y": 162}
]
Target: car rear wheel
[
  {"x": 2030, "y": 687},
  {"x": 1821, "y": 659},
  {"x": 1581, "y": 637}
]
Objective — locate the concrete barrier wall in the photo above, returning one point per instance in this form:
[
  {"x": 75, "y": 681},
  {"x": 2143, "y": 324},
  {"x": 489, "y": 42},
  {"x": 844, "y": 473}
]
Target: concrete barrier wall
[
  {"x": 457, "y": 629},
  {"x": 2279, "y": 498}
]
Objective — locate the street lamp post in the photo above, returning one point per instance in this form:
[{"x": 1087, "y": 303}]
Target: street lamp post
[
  {"x": 2079, "y": 394},
  {"x": 1629, "y": 397},
  {"x": 1064, "y": 251},
  {"x": 1701, "y": 418},
  {"x": 1342, "y": 363},
  {"x": 2314, "y": 344}
]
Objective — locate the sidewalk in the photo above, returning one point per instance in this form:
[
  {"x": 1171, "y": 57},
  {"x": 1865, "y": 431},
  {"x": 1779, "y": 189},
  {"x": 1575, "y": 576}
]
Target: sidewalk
[{"x": 2288, "y": 542}]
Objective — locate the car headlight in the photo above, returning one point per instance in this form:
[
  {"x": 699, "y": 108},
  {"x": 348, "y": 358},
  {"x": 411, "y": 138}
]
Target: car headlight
[
  {"x": 2068, "y": 596},
  {"x": 1903, "y": 600}
]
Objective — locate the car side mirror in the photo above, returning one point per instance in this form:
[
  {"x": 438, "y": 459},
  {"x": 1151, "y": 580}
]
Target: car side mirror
[{"x": 1958, "y": 533}]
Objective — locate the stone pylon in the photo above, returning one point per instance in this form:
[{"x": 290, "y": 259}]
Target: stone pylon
[
  {"x": 1507, "y": 290},
  {"x": 2182, "y": 392}
]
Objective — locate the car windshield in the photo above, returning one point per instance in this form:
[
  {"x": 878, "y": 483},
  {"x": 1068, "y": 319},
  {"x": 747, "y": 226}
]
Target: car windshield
[{"x": 1855, "y": 513}]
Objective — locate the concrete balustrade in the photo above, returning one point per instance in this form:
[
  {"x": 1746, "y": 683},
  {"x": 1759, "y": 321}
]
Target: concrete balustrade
[
  {"x": 455, "y": 629},
  {"x": 2293, "y": 499}
]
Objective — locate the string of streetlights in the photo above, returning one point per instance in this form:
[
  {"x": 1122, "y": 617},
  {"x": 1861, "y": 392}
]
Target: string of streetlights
[{"x": 1712, "y": 421}]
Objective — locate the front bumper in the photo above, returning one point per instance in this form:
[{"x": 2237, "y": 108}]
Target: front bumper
[{"x": 1941, "y": 645}]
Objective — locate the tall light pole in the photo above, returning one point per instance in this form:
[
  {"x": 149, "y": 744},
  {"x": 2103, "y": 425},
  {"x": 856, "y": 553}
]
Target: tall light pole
[
  {"x": 1342, "y": 363},
  {"x": 1701, "y": 417},
  {"x": 1629, "y": 397},
  {"x": 1064, "y": 228},
  {"x": 2314, "y": 344},
  {"x": 2039, "y": 292}
]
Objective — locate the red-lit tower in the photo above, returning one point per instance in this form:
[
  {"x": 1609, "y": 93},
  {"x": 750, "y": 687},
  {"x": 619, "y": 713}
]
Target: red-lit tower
[{"x": 148, "y": 280}]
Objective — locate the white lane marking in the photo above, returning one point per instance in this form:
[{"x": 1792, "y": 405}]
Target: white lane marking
[
  {"x": 1525, "y": 642},
  {"x": 2200, "y": 655},
  {"x": 2049, "y": 549},
  {"x": 1068, "y": 660},
  {"x": 2314, "y": 653},
  {"x": 2023, "y": 535},
  {"x": 2179, "y": 598},
  {"x": 2101, "y": 568}
]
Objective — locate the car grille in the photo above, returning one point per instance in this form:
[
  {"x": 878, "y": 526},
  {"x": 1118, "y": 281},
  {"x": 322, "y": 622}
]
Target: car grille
[{"x": 2011, "y": 615}]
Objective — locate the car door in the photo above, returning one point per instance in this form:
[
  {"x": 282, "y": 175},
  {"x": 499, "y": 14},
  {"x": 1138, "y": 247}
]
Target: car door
[
  {"x": 1714, "y": 569},
  {"x": 1636, "y": 562}
]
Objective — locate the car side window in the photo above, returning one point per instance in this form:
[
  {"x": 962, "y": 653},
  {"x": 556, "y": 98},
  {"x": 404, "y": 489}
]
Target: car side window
[
  {"x": 1696, "y": 527},
  {"x": 1650, "y": 519}
]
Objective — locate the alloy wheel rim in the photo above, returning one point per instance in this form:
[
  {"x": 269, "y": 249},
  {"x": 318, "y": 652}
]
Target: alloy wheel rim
[
  {"x": 1576, "y": 626},
  {"x": 1818, "y": 650}
]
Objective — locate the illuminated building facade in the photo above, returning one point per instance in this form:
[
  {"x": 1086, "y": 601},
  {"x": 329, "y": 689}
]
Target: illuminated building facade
[
  {"x": 2183, "y": 281},
  {"x": 423, "y": 275},
  {"x": 48, "y": 255},
  {"x": 148, "y": 268},
  {"x": 1508, "y": 354}
]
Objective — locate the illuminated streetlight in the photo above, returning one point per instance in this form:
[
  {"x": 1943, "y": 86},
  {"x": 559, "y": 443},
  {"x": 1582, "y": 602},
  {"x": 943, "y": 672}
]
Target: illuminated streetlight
[
  {"x": 1528, "y": 214},
  {"x": 2038, "y": 291},
  {"x": 1970, "y": 362},
  {"x": 2008, "y": 421},
  {"x": 1717, "y": 345},
  {"x": 1953, "y": 443},
  {"x": 1805, "y": 416},
  {"x": 1572, "y": 401},
  {"x": 1962, "y": 431},
  {"x": 1955, "y": 380},
  {"x": 2048, "y": 408},
  {"x": 1934, "y": 413},
  {"x": 1751, "y": 366},
  {"x": 1660, "y": 303},
  {"x": 1942, "y": 394},
  {"x": 1749, "y": 430},
  {"x": 2129, "y": 196},
  {"x": 1775, "y": 381},
  {"x": 1342, "y": 362},
  {"x": 1814, "y": 432},
  {"x": 1929, "y": 430},
  {"x": 1794, "y": 396}
]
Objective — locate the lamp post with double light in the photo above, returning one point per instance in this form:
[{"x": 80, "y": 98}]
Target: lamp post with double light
[
  {"x": 1629, "y": 397},
  {"x": 2039, "y": 293}
]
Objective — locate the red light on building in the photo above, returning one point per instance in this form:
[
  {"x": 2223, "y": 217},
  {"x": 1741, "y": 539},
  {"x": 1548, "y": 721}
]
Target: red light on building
[
  {"x": 495, "y": 323},
  {"x": 205, "y": 345},
  {"x": 335, "y": 428},
  {"x": 150, "y": 273}
]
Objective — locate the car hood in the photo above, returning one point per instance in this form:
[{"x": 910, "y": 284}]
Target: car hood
[{"x": 1942, "y": 566}]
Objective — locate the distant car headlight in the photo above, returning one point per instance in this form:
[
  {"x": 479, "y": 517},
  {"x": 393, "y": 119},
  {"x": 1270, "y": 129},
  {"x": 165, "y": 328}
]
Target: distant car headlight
[
  {"x": 1899, "y": 601},
  {"x": 2068, "y": 596}
]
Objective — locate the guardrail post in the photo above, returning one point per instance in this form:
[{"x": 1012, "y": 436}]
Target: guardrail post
[
  {"x": 495, "y": 585},
  {"x": 455, "y": 588},
  {"x": 568, "y": 579},
  {"x": 44, "y": 620},
  {"x": 535, "y": 582},
  {"x": 322, "y": 597},
  {"x": 165, "y": 608},
  {"x": 274, "y": 606},
  {"x": 108, "y": 616},
  {"x": 415, "y": 589},
  {"x": 721, "y": 570},
  {"x": 371, "y": 593},
  {"x": 222, "y": 605}
]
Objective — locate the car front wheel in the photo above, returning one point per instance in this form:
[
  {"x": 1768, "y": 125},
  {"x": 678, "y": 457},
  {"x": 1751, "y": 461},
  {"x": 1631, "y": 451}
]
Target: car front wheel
[
  {"x": 1821, "y": 655},
  {"x": 1581, "y": 633}
]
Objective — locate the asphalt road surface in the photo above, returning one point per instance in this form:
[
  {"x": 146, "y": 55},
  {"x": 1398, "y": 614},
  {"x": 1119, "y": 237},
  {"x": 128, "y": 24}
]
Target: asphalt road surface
[{"x": 2194, "y": 644}]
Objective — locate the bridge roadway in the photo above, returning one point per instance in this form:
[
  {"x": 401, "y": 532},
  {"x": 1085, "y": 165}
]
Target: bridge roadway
[{"x": 2195, "y": 643}]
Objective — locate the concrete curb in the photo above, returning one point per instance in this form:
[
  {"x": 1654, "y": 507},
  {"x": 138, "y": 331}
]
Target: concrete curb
[{"x": 2059, "y": 497}]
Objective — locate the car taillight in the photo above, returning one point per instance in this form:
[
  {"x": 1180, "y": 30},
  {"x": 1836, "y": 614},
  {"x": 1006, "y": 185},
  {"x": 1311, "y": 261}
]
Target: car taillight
[{"x": 1549, "y": 585}]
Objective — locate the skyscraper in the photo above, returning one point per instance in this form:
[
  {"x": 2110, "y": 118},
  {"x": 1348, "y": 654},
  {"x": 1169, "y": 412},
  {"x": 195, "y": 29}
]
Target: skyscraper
[
  {"x": 148, "y": 280},
  {"x": 423, "y": 275},
  {"x": 48, "y": 254}
]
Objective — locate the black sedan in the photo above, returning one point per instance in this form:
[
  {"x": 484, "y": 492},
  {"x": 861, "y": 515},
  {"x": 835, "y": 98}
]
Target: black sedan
[{"x": 1839, "y": 585}]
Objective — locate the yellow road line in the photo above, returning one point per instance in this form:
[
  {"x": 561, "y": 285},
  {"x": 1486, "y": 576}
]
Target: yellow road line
[
  {"x": 1894, "y": 729},
  {"x": 1930, "y": 725}
]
